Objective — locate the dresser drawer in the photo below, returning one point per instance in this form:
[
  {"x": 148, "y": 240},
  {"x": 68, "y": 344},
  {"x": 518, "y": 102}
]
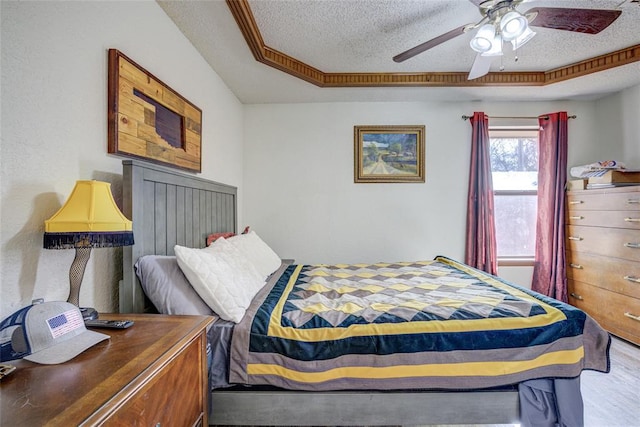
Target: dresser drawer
[
  {"x": 617, "y": 275},
  {"x": 614, "y": 242},
  {"x": 627, "y": 201},
  {"x": 617, "y": 313},
  {"x": 616, "y": 219},
  {"x": 174, "y": 397}
]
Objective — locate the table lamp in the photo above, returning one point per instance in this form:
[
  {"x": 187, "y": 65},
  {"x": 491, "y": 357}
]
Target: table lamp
[{"x": 89, "y": 219}]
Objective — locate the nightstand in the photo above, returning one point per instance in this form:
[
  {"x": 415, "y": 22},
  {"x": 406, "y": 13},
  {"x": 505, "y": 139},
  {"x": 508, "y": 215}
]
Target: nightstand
[{"x": 153, "y": 373}]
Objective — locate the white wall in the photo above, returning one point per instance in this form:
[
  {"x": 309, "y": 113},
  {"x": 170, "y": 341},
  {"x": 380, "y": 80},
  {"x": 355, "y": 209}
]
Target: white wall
[
  {"x": 621, "y": 115},
  {"x": 300, "y": 195},
  {"x": 631, "y": 126},
  {"x": 54, "y": 128}
]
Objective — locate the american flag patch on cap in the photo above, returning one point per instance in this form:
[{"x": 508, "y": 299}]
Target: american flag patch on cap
[{"x": 64, "y": 323}]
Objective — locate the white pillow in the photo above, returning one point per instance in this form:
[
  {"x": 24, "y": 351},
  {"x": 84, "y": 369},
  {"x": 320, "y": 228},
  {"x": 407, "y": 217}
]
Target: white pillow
[
  {"x": 224, "y": 278},
  {"x": 258, "y": 252}
]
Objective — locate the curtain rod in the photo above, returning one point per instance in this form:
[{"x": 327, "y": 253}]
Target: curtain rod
[{"x": 518, "y": 117}]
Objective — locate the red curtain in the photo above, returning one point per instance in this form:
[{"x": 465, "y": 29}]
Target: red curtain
[
  {"x": 549, "y": 276},
  {"x": 480, "y": 251}
]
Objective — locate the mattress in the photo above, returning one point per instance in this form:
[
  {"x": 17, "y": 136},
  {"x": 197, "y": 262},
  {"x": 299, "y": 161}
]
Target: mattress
[{"x": 436, "y": 324}]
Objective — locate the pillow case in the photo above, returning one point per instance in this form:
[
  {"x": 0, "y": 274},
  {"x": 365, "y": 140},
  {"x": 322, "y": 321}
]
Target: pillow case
[
  {"x": 222, "y": 276},
  {"x": 167, "y": 288},
  {"x": 258, "y": 252}
]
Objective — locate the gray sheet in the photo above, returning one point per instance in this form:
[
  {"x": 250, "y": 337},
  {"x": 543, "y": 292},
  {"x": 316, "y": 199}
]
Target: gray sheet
[
  {"x": 220, "y": 342},
  {"x": 551, "y": 402}
]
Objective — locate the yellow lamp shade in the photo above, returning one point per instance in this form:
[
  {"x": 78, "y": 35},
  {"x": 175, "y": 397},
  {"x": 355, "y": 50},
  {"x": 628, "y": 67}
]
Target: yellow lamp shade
[
  {"x": 90, "y": 218},
  {"x": 90, "y": 208}
]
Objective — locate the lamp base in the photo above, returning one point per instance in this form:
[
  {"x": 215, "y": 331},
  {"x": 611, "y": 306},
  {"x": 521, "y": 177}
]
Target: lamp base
[{"x": 88, "y": 313}]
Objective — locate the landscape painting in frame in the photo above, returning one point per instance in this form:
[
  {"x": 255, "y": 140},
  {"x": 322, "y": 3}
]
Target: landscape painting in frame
[{"x": 389, "y": 153}]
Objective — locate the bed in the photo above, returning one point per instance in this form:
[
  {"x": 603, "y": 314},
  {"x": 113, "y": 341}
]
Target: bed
[{"x": 169, "y": 208}]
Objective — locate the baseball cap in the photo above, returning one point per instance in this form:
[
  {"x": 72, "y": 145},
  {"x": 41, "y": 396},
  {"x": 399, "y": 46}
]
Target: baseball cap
[{"x": 47, "y": 332}]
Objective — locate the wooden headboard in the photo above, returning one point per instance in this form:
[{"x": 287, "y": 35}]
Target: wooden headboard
[{"x": 168, "y": 208}]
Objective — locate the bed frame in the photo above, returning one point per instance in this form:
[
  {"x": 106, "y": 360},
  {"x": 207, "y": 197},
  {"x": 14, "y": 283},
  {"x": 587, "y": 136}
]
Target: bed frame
[{"x": 169, "y": 208}]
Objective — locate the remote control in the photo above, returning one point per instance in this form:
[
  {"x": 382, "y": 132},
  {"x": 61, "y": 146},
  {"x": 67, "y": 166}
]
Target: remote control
[{"x": 111, "y": 324}]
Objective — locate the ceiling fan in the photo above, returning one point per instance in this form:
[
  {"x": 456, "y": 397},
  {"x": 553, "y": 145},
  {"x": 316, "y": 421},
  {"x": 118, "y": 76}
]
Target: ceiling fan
[{"x": 502, "y": 23}]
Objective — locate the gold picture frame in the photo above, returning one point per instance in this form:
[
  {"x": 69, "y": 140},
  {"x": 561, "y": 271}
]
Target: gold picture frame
[
  {"x": 389, "y": 154},
  {"x": 149, "y": 120}
]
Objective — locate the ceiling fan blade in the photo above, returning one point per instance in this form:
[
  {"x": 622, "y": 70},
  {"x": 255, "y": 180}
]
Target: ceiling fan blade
[
  {"x": 589, "y": 21},
  {"x": 480, "y": 67},
  {"x": 429, "y": 44}
]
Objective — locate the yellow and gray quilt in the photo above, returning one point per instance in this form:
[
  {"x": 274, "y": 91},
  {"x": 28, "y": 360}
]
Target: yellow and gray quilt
[{"x": 417, "y": 325}]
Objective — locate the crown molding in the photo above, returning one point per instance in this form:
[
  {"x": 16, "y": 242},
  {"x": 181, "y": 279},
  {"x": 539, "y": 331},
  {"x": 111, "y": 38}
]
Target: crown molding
[{"x": 269, "y": 56}]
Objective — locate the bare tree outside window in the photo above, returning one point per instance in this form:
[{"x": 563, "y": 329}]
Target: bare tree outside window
[{"x": 514, "y": 164}]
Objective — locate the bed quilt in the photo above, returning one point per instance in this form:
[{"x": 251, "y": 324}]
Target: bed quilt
[{"x": 436, "y": 324}]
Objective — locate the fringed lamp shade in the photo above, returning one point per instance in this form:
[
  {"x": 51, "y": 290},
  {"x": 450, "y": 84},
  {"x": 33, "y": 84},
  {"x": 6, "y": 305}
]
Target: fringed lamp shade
[{"x": 89, "y": 219}]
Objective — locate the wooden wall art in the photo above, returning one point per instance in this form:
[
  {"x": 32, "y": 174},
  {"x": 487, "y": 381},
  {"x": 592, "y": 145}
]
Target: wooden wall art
[
  {"x": 149, "y": 120},
  {"x": 388, "y": 153}
]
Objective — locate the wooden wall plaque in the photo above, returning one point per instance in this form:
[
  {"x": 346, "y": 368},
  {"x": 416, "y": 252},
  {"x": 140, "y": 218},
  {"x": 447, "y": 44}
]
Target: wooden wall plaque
[{"x": 149, "y": 120}]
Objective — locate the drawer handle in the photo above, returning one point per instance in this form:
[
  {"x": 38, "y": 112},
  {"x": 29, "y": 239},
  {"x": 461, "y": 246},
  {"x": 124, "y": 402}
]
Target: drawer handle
[
  {"x": 577, "y": 202},
  {"x": 632, "y": 219},
  {"x": 577, "y": 266},
  {"x": 633, "y": 201},
  {"x": 632, "y": 279},
  {"x": 631, "y": 316},
  {"x": 576, "y": 238},
  {"x": 576, "y": 296},
  {"x": 632, "y": 245},
  {"x": 579, "y": 217}
]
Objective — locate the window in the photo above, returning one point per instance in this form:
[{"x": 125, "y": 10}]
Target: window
[{"x": 514, "y": 166}]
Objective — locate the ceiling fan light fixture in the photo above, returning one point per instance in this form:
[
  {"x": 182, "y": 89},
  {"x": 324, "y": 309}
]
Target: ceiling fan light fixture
[
  {"x": 513, "y": 25},
  {"x": 496, "y": 47},
  {"x": 518, "y": 42},
  {"x": 483, "y": 39}
]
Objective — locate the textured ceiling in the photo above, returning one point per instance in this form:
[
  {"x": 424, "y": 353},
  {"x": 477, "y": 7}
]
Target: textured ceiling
[{"x": 359, "y": 36}]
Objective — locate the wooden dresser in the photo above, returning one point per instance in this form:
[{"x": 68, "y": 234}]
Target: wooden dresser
[
  {"x": 151, "y": 374},
  {"x": 603, "y": 257}
]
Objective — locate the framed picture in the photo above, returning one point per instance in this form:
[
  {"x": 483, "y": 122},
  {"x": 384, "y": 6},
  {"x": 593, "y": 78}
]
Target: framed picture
[
  {"x": 149, "y": 120},
  {"x": 389, "y": 153}
]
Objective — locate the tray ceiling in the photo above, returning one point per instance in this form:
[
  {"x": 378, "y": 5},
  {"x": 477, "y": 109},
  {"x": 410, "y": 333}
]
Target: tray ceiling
[{"x": 326, "y": 50}]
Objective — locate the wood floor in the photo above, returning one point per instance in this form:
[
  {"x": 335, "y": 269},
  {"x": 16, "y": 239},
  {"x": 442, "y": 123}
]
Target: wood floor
[{"x": 613, "y": 399}]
